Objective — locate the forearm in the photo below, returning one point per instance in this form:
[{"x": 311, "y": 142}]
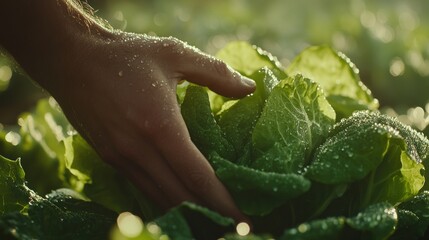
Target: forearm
[{"x": 45, "y": 35}]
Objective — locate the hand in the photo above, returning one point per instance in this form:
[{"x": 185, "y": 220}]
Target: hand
[{"x": 121, "y": 96}]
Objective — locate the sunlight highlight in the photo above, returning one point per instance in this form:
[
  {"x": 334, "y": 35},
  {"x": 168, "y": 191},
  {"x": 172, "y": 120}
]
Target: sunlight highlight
[
  {"x": 130, "y": 225},
  {"x": 243, "y": 229}
]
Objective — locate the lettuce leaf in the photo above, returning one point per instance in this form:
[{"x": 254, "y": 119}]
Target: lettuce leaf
[
  {"x": 204, "y": 130},
  {"x": 100, "y": 182},
  {"x": 40, "y": 148},
  {"x": 238, "y": 119},
  {"x": 247, "y": 59},
  {"x": 378, "y": 221},
  {"x": 338, "y": 77},
  {"x": 413, "y": 217},
  {"x": 26, "y": 215},
  {"x": 58, "y": 216},
  {"x": 273, "y": 189},
  {"x": 14, "y": 194},
  {"x": 296, "y": 118},
  {"x": 190, "y": 221}
]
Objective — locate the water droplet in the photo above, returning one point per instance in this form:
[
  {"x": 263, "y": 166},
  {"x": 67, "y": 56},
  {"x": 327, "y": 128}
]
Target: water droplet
[{"x": 120, "y": 73}]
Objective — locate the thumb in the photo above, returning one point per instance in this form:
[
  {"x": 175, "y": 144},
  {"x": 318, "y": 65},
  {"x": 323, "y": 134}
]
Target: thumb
[{"x": 203, "y": 69}]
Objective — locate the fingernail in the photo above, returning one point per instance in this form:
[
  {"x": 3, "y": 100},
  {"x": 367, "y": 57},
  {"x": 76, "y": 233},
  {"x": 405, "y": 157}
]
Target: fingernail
[{"x": 248, "y": 82}]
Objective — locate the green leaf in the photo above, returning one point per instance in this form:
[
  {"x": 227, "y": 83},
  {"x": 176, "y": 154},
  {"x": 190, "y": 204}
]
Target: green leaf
[
  {"x": 174, "y": 224},
  {"x": 100, "y": 182},
  {"x": 204, "y": 131},
  {"x": 329, "y": 228},
  {"x": 257, "y": 192},
  {"x": 378, "y": 221},
  {"x": 178, "y": 222},
  {"x": 14, "y": 194},
  {"x": 41, "y": 149},
  {"x": 247, "y": 59},
  {"x": 359, "y": 144},
  {"x": 399, "y": 177},
  {"x": 349, "y": 155},
  {"x": 238, "y": 120},
  {"x": 417, "y": 143},
  {"x": 296, "y": 118},
  {"x": 338, "y": 77},
  {"x": 413, "y": 217},
  {"x": 59, "y": 216}
]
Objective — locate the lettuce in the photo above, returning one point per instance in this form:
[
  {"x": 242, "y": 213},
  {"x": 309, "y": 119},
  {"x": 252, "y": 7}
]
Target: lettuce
[
  {"x": 306, "y": 156},
  {"x": 308, "y": 145}
]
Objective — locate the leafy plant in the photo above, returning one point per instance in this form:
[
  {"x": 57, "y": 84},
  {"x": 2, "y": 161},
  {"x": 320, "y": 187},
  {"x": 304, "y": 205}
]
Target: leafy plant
[{"x": 306, "y": 156}]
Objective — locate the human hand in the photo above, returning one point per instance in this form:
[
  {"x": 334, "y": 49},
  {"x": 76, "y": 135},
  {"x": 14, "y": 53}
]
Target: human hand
[{"x": 121, "y": 96}]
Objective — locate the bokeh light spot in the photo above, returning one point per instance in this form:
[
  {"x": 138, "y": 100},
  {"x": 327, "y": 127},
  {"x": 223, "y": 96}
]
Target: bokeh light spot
[
  {"x": 243, "y": 229},
  {"x": 397, "y": 67},
  {"x": 129, "y": 225}
]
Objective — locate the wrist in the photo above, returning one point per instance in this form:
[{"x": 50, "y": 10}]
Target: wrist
[
  {"x": 69, "y": 42},
  {"x": 45, "y": 36}
]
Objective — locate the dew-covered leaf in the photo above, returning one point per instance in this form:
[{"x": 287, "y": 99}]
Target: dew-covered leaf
[
  {"x": 357, "y": 145},
  {"x": 398, "y": 178},
  {"x": 338, "y": 77},
  {"x": 413, "y": 217},
  {"x": 204, "y": 131},
  {"x": 59, "y": 216},
  {"x": 329, "y": 228},
  {"x": 174, "y": 224},
  {"x": 296, "y": 118},
  {"x": 378, "y": 221},
  {"x": 238, "y": 120},
  {"x": 349, "y": 155},
  {"x": 247, "y": 58},
  {"x": 191, "y": 221},
  {"x": 14, "y": 194},
  {"x": 257, "y": 192},
  {"x": 417, "y": 143}
]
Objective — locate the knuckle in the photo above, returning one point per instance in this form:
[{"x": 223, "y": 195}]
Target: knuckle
[
  {"x": 200, "y": 181},
  {"x": 171, "y": 45},
  {"x": 221, "y": 67},
  {"x": 155, "y": 128}
]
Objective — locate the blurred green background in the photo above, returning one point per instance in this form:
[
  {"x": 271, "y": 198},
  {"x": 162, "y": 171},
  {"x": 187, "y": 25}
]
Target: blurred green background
[{"x": 388, "y": 41}]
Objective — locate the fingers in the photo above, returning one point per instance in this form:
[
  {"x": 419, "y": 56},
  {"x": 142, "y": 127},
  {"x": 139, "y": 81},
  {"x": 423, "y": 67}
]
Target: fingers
[
  {"x": 194, "y": 170},
  {"x": 140, "y": 179},
  {"x": 143, "y": 160},
  {"x": 215, "y": 74},
  {"x": 202, "y": 69}
]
